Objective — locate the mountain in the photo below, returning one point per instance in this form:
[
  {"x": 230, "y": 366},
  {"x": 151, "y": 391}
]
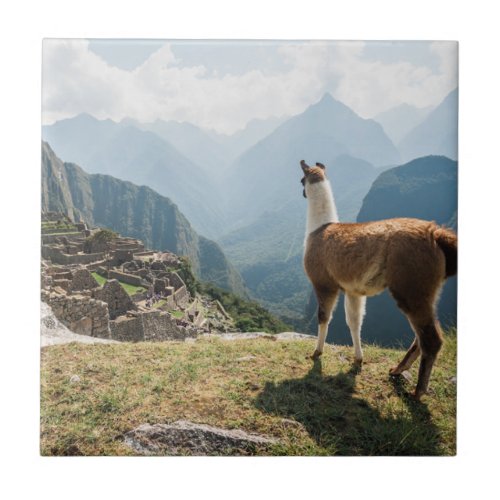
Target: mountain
[
  {"x": 437, "y": 134},
  {"x": 398, "y": 121},
  {"x": 265, "y": 177},
  {"x": 194, "y": 143},
  {"x": 268, "y": 252},
  {"x": 135, "y": 211},
  {"x": 425, "y": 188},
  {"x": 141, "y": 157},
  {"x": 256, "y": 130}
]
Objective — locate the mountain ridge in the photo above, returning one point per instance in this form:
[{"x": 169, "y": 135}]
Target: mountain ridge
[
  {"x": 141, "y": 157},
  {"x": 135, "y": 211},
  {"x": 437, "y": 134}
]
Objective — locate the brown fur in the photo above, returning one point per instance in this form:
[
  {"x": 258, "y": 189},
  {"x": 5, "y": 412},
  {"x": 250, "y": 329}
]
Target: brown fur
[{"x": 411, "y": 257}]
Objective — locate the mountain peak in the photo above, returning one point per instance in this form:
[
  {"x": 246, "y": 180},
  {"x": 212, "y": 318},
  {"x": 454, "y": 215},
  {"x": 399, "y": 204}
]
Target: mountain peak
[
  {"x": 327, "y": 98},
  {"x": 329, "y": 104}
]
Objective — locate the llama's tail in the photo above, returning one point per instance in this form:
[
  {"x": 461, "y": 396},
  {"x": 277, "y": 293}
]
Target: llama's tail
[{"x": 448, "y": 243}]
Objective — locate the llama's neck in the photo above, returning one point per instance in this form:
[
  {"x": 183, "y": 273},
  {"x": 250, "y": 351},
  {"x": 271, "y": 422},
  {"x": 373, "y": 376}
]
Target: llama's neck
[{"x": 321, "y": 208}]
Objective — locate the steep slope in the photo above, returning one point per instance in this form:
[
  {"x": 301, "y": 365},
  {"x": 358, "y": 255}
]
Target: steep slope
[
  {"x": 268, "y": 252},
  {"x": 425, "y": 188},
  {"x": 135, "y": 211},
  {"x": 264, "y": 178},
  {"x": 141, "y": 157},
  {"x": 400, "y": 120},
  {"x": 436, "y": 135}
]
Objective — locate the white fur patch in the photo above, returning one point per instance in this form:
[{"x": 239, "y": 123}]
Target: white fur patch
[{"x": 321, "y": 208}]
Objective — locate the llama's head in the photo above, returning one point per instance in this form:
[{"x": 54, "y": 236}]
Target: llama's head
[{"x": 311, "y": 175}]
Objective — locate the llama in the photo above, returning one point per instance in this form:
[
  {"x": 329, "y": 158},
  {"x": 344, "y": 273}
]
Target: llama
[{"x": 410, "y": 257}]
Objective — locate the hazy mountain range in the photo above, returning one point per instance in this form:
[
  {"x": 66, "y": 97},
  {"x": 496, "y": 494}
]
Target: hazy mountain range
[
  {"x": 437, "y": 134},
  {"x": 135, "y": 211},
  {"x": 400, "y": 120},
  {"x": 141, "y": 157},
  {"x": 243, "y": 190}
]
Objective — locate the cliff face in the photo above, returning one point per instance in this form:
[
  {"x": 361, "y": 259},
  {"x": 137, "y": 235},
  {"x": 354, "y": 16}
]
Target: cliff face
[{"x": 135, "y": 211}]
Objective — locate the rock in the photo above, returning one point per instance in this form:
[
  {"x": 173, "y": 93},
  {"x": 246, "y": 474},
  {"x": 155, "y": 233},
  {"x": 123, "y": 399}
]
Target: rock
[
  {"x": 294, "y": 336},
  {"x": 75, "y": 379},
  {"x": 289, "y": 423},
  {"x": 54, "y": 332},
  {"x": 241, "y": 336},
  {"x": 187, "y": 438},
  {"x": 82, "y": 326},
  {"x": 246, "y": 358}
]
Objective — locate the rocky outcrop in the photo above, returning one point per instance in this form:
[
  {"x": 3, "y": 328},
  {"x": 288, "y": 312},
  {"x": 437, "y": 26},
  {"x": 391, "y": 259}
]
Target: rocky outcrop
[
  {"x": 187, "y": 438},
  {"x": 54, "y": 332},
  {"x": 80, "y": 313}
]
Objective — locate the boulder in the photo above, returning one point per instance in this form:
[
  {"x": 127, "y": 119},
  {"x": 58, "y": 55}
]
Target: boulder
[{"x": 187, "y": 438}]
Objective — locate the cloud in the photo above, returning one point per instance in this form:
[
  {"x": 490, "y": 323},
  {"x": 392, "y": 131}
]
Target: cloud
[
  {"x": 370, "y": 87},
  {"x": 76, "y": 80}
]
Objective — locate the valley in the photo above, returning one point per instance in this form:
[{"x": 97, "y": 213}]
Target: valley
[{"x": 234, "y": 207}]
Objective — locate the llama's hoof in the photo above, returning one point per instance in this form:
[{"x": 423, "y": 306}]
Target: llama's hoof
[
  {"x": 417, "y": 395},
  {"x": 394, "y": 372},
  {"x": 358, "y": 361},
  {"x": 315, "y": 355}
]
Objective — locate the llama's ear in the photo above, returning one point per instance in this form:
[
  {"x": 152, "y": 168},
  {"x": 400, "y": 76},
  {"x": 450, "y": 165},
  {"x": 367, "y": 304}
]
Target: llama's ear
[
  {"x": 304, "y": 166},
  {"x": 320, "y": 165}
]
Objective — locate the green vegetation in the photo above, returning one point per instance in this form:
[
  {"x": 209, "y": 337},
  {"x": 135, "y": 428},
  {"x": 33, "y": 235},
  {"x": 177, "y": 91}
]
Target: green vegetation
[
  {"x": 248, "y": 316},
  {"x": 160, "y": 303},
  {"x": 177, "y": 314},
  {"x": 100, "y": 241},
  {"x": 100, "y": 279},
  {"x": 322, "y": 408},
  {"x": 186, "y": 273},
  {"x": 130, "y": 289},
  {"x": 57, "y": 227}
]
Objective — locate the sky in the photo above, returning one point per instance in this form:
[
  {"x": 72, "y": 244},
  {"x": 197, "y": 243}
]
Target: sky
[{"x": 222, "y": 85}]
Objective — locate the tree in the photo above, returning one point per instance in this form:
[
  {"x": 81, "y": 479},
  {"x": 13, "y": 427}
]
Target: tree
[{"x": 100, "y": 241}]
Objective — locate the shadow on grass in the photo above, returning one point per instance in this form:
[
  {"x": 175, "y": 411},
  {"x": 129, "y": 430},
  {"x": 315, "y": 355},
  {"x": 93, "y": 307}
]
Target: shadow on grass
[{"x": 343, "y": 424}]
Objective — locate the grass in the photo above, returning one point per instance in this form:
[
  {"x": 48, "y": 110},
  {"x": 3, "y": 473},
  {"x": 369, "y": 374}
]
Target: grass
[
  {"x": 177, "y": 314},
  {"x": 100, "y": 279},
  {"x": 322, "y": 408},
  {"x": 130, "y": 289},
  {"x": 159, "y": 303}
]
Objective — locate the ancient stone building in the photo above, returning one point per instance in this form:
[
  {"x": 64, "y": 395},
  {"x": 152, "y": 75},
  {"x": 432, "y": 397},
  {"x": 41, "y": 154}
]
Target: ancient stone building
[
  {"x": 82, "y": 279},
  {"x": 116, "y": 297}
]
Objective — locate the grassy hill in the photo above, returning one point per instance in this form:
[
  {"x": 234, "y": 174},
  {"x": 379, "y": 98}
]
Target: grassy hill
[{"x": 325, "y": 408}]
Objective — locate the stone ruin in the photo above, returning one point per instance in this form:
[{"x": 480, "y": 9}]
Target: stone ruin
[{"x": 161, "y": 309}]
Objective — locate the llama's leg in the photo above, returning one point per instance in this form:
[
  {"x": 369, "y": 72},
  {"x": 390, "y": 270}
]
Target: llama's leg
[
  {"x": 418, "y": 305},
  {"x": 354, "y": 313},
  {"x": 327, "y": 300},
  {"x": 410, "y": 357},
  {"x": 430, "y": 340}
]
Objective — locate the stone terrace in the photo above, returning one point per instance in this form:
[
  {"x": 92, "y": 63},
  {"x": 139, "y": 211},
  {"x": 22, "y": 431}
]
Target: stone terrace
[{"x": 124, "y": 293}]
